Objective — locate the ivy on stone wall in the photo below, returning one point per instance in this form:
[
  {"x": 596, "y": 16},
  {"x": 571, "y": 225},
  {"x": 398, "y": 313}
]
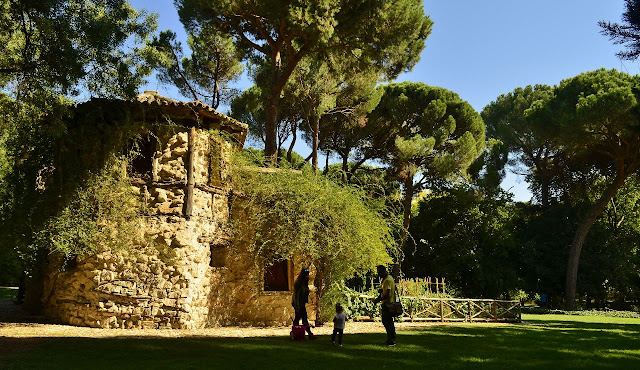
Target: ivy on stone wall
[
  {"x": 66, "y": 176},
  {"x": 298, "y": 213},
  {"x": 102, "y": 215}
]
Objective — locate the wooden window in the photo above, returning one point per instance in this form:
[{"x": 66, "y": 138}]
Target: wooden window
[
  {"x": 276, "y": 277},
  {"x": 141, "y": 151}
]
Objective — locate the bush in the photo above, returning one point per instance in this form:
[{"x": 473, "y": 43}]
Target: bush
[
  {"x": 102, "y": 215},
  {"x": 298, "y": 213}
]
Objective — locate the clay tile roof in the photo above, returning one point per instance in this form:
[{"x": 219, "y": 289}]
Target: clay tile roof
[
  {"x": 151, "y": 97},
  {"x": 172, "y": 108}
]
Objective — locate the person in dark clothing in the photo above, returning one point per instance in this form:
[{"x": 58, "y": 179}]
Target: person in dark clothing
[
  {"x": 387, "y": 297},
  {"x": 300, "y": 300}
]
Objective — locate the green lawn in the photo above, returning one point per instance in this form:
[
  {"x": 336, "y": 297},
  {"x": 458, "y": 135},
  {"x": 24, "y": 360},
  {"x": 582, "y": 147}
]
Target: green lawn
[{"x": 543, "y": 341}]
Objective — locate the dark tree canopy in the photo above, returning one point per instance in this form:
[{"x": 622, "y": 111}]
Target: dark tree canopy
[
  {"x": 56, "y": 44},
  {"x": 427, "y": 131},
  {"x": 596, "y": 115},
  {"x": 387, "y": 34}
]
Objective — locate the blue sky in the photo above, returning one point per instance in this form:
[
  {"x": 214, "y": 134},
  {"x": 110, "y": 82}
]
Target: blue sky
[{"x": 481, "y": 49}]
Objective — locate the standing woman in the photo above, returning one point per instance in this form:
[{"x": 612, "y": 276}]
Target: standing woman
[{"x": 300, "y": 299}]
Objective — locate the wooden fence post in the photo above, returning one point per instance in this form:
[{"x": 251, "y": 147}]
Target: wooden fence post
[
  {"x": 187, "y": 207},
  {"x": 495, "y": 310},
  {"x": 441, "y": 310},
  {"x": 411, "y": 312},
  {"x": 470, "y": 310}
]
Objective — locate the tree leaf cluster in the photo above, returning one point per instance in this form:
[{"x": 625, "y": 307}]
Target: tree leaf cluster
[
  {"x": 627, "y": 33},
  {"x": 61, "y": 46},
  {"x": 204, "y": 75},
  {"x": 296, "y": 213},
  {"x": 103, "y": 214},
  {"x": 278, "y": 36}
]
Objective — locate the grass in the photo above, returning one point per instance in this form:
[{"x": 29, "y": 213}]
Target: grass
[{"x": 552, "y": 341}]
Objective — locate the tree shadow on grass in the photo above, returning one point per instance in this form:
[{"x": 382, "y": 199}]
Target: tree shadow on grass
[{"x": 554, "y": 344}]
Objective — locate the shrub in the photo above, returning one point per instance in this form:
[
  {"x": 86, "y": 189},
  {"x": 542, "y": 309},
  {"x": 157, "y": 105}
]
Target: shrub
[{"x": 298, "y": 213}]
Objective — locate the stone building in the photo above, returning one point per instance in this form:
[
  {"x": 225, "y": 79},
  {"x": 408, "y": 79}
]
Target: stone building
[{"x": 182, "y": 173}]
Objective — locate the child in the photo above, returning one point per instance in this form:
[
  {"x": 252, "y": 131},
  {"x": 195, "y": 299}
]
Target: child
[{"x": 338, "y": 324}]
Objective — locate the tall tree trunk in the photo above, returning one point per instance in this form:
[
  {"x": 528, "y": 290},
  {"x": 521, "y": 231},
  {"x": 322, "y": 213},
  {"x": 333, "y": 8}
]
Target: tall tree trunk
[
  {"x": 345, "y": 168},
  {"x": 406, "y": 205},
  {"x": 294, "y": 133},
  {"x": 270, "y": 131},
  {"x": 318, "y": 282},
  {"x": 326, "y": 163},
  {"x": 216, "y": 78},
  {"x": 271, "y": 123},
  {"x": 580, "y": 236},
  {"x": 316, "y": 135}
]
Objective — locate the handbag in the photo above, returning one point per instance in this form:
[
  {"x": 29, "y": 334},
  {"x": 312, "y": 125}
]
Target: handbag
[
  {"x": 297, "y": 332},
  {"x": 395, "y": 309}
]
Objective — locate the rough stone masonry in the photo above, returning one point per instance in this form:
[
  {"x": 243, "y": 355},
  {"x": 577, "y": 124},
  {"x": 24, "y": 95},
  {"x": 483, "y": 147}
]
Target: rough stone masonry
[{"x": 184, "y": 273}]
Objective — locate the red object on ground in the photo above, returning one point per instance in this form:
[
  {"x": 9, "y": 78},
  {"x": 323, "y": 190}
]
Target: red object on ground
[{"x": 297, "y": 332}]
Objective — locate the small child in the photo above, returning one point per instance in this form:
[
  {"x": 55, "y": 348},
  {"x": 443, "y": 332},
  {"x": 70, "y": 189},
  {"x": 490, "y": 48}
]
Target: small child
[{"x": 338, "y": 324}]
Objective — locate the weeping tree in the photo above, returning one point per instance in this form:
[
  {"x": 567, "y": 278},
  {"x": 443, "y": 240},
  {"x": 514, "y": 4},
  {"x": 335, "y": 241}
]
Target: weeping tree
[
  {"x": 299, "y": 214},
  {"x": 596, "y": 114},
  {"x": 430, "y": 132},
  {"x": 388, "y": 34}
]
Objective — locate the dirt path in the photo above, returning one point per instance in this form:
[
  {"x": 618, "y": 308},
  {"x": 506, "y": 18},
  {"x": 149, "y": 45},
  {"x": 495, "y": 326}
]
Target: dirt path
[
  {"x": 16, "y": 324},
  {"x": 39, "y": 330}
]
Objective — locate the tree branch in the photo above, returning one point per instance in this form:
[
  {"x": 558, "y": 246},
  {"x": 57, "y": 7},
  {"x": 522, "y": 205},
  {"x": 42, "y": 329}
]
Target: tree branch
[
  {"x": 247, "y": 40},
  {"x": 256, "y": 21}
]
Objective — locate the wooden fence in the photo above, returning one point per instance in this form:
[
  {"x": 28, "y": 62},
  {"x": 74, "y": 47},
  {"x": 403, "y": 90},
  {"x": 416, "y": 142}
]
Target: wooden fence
[
  {"x": 459, "y": 309},
  {"x": 420, "y": 286}
]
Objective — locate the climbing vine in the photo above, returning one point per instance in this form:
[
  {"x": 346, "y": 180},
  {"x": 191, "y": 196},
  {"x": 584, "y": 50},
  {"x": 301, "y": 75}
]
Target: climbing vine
[
  {"x": 66, "y": 180},
  {"x": 298, "y": 213}
]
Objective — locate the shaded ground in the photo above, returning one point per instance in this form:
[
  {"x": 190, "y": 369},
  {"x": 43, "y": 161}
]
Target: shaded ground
[{"x": 542, "y": 341}]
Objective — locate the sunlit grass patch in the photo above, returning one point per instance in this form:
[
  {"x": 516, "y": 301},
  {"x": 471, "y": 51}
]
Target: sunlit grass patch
[{"x": 474, "y": 359}]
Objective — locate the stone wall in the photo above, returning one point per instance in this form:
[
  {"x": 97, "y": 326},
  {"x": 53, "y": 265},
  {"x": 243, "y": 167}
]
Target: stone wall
[
  {"x": 163, "y": 282},
  {"x": 184, "y": 273}
]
